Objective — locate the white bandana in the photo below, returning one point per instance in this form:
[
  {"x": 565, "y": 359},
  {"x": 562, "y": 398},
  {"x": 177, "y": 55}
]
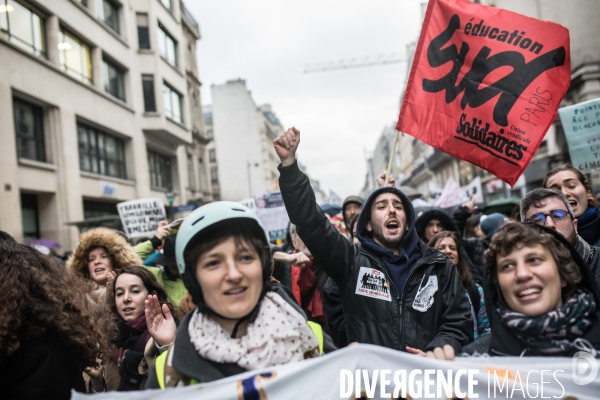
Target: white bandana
[{"x": 279, "y": 335}]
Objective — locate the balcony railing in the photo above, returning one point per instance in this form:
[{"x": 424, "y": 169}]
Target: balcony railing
[{"x": 189, "y": 16}]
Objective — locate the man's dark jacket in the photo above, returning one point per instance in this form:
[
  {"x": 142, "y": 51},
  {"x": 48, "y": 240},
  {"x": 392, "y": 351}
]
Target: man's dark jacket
[{"x": 385, "y": 317}]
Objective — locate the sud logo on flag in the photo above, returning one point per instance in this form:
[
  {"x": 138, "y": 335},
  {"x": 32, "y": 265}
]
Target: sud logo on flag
[{"x": 485, "y": 84}]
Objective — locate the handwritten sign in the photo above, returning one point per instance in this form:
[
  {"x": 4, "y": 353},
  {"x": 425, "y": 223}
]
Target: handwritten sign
[
  {"x": 140, "y": 217},
  {"x": 582, "y": 130},
  {"x": 272, "y": 213}
]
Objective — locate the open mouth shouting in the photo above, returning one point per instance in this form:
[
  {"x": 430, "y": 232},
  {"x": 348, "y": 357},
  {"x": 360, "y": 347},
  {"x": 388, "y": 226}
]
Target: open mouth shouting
[{"x": 393, "y": 226}]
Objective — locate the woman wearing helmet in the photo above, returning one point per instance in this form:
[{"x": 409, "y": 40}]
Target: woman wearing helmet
[{"x": 242, "y": 321}]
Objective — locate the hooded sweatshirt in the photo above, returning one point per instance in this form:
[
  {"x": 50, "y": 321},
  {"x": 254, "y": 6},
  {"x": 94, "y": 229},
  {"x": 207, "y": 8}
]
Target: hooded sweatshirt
[{"x": 398, "y": 266}]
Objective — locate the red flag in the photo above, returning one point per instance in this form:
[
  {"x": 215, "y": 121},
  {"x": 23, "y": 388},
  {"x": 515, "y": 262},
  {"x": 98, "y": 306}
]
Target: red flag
[{"x": 485, "y": 84}]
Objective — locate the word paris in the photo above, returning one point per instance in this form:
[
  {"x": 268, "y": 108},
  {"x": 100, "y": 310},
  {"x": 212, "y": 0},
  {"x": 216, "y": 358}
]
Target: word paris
[{"x": 432, "y": 383}]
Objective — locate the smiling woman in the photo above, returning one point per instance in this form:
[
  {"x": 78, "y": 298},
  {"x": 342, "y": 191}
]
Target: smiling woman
[
  {"x": 243, "y": 321},
  {"x": 542, "y": 300},
  {"x": 133, "y": 345}
]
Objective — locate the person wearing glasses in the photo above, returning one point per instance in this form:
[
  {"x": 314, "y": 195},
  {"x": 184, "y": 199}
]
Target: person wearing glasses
[{"x": 552, "y": 209}]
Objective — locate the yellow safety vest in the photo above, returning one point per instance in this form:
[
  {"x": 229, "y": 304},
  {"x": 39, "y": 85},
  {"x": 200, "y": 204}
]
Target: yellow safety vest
[{"x": 161, "y": 360}]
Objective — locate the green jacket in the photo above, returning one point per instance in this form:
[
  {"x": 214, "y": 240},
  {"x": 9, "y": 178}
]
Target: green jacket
[{"x": 175, "y": 288}]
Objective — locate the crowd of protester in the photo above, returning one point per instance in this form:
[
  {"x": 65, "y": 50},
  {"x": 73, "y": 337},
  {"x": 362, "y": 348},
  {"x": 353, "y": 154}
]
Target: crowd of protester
[{"x": 211, "y": 297}]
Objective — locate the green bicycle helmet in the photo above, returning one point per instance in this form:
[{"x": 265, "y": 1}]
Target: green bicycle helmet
[{"x": 206, "y": 222}]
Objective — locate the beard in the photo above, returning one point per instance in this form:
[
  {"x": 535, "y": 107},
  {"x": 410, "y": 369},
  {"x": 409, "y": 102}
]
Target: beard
[{"x": 388, "y": 241}]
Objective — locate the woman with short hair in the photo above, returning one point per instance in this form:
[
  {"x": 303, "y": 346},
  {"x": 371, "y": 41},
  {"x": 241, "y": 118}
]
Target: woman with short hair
[
  {"x": 542, "y": 300},
  {"x": 242, "y": 321}
]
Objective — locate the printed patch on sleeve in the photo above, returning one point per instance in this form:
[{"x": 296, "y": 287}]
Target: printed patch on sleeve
[
  {"x": 424, "y": 298},
  {"x": 372, "y": 283}
]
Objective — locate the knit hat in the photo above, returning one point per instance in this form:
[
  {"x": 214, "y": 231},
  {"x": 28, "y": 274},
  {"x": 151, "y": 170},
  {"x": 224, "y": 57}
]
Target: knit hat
[
  {"x": 352, "y": 199},
  {"x": 491, "y": 223}
]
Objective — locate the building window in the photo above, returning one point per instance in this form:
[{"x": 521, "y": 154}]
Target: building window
[
  {"x": 148, "y": 91},
  {"x": 209, "y": 134},
  {"x": 167, "y": 3},
  {"x": 101, "y": 153},
  {"x": 109, "y": 12},
  {"x": 29, "y": 129},
  {"x": 83, "y": 2},
  {"x": 212, "y": 156},
  {"x": 172, "y": 102},
  {"x": 160, "y": 170},
  {"x": 191, "y": 175},
  {"x": 143, "y": 32},
  {"x": 30, "y": 216},
  {"x": 114, "y": 79},
  {"x": 22, "y": 27},
  {"x": 214, "y": 176},
  {"x": 74, "y": 57},
  {"x": 167, "y": 46}
]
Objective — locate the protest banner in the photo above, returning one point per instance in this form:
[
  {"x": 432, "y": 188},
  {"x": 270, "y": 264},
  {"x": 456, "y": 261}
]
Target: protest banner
[
  {"x": 272, "y": 213},
  {"x": 452, "y": 195},
  {"x": 379, "y": 373},
  {"x": 140, "y": 217},
  {"x": 485, "y": 84},
  {"x": 474, "y": 191},
  {"x": 435, "y": 190},
  {"x": 581, "y": 123}
]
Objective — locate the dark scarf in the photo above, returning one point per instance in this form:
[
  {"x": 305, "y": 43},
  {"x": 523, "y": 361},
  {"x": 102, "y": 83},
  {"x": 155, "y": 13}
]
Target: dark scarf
[
  {"x": 398, "y": 267},
  {"x": 127, "y": 351},
  {"x": 554, "y": 332},
  {"x": 588, "y": 225}
]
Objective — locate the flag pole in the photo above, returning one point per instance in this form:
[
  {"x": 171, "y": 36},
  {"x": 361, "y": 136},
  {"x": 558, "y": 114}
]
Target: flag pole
[{"x": 392, "y": 152}]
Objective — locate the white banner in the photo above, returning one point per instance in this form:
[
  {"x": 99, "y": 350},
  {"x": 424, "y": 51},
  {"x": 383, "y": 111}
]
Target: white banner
[
  {"x": 435, "y": 190},
  {"x": 474, "y": 189},
  {"x": 452, "y": 195},
  {"x": 272, "y": 213},
  {"x": 140, "y": 217},
  {"x": 379, "y": 373}
]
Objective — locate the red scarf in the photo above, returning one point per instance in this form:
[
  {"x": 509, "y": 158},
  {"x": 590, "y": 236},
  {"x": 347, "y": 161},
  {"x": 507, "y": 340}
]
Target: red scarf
[{"x": 303, "y": 280}]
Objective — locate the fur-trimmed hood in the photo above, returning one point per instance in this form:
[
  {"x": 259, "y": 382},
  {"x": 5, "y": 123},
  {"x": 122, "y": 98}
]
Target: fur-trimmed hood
[{"x": 123, "y": 254}]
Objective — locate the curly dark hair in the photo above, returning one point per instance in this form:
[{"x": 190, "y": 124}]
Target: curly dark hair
[
  {"x": 515, "y": 235},
  {"x": 151, "y": 284},
  {"x": 39, "y": 296}
]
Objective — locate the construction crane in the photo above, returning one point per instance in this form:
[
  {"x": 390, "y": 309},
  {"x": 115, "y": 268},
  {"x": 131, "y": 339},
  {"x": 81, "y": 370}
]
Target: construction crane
[{"x": 356, "y": 62}]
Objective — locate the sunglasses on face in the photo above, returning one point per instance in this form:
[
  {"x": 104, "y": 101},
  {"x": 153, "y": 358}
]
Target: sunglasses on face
[{"x": 555, "y": 215}]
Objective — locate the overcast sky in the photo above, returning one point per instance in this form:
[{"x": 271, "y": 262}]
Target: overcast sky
[{"x": 340, "y": 113}]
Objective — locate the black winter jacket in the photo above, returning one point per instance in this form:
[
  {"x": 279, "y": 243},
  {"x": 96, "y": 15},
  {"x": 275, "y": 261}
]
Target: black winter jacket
[
  {"x": 42, "y": 368},
  {"x": 374, "y": 311},
  {"x": 591, "y": 256}
]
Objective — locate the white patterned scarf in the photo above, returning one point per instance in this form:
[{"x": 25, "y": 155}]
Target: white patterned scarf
[{"x": 278, "y": 335}]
